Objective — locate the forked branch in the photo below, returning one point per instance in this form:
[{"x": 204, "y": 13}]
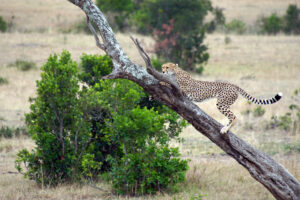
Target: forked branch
[
  {"x": 171, "y": 80},
  {"x": 92, "y": 29}
]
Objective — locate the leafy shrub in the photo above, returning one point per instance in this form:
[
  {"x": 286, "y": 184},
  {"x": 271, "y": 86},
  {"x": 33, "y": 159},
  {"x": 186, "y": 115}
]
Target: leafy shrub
[
  {"x": 218, "y": 21},
  {"x": 23, "y": 65},
  {"x": 155, "y": 169},
  {"x": 19, "y": 131},
  {"x": 134, "y": 129},
  {"x": 3, "y": 80},
  {"x": 133, "y": 124},
  {"x": 153, "y": 14},
  {"x": 94, "y": 67},
  {"x": 236, "y": 26},
  {"x": 156, "y": 63},
  {"x": 8, "y": 132},
  {"x": 292, "y": 20},
  {"x": 56, "y": 125},
  {"x": 186, "y": 51},
  {"x": 283, "y": 122},
  {"x": 271, "y": 25},
  {"x": 120, "y": 11},
  {"x": 290, "y": 121},
  {"x": 259, "y": 111},
  {"x": 148, "y": 164},
  {"x": 76, "y": 131},
  {"x": 3, "y": 25},
  {"x": 178, "y": 38}
]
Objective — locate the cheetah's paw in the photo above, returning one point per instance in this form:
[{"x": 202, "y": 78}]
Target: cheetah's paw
[{"x": 224, "y": 130}]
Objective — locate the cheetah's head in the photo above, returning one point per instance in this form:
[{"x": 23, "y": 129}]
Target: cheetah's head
[{"x": 169, "y": 68}]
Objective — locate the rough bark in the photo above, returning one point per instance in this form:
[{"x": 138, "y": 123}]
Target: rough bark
[{"x": 264, "y": 169}]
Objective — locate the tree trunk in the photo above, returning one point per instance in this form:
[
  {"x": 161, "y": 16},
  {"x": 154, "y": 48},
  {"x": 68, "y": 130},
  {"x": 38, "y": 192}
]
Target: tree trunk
[{"x": 264, "y": 169}]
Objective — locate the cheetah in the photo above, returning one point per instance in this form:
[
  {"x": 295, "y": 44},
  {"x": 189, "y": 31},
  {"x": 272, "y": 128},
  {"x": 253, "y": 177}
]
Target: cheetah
[{"x": 226, "y": 93}]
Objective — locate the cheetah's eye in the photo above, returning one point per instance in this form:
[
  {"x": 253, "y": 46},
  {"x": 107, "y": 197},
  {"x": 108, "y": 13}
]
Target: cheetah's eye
[{"x": 167, "y": 67}]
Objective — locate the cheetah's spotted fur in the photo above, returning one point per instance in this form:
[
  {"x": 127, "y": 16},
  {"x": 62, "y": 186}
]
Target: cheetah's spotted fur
[{"x": 226, "y": 93}]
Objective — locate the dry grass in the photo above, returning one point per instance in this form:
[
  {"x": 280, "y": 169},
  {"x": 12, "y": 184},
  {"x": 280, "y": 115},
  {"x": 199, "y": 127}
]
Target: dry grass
[
  {"x": 262, "y": 65},
  {"x": 249, "y": 10}
]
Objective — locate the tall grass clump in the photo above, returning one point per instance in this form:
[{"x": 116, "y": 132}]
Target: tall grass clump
[
  {"x": 235, "y": 26},
  {"x": 23, "y": 65}
]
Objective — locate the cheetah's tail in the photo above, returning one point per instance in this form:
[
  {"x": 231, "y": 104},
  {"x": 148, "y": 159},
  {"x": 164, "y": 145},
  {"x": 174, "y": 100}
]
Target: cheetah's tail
[{"x": 260, "y": 101}]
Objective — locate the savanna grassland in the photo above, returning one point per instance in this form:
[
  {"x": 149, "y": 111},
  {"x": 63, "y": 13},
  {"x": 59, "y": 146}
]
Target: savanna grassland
[{"x": 262, "y": 65}]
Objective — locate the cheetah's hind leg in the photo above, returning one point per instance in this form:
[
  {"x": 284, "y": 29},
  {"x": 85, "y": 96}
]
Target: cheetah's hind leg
[
  {"x": 226, "y": 128},
  {"x": 224, "y": 109}
]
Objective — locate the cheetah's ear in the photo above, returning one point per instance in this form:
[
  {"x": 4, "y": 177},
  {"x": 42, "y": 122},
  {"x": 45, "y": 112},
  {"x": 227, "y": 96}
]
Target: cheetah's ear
[{"x": 176, "y": 65}]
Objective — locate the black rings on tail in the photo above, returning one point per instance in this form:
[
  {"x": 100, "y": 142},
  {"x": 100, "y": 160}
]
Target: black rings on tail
[{"x": 260, "y": 101}]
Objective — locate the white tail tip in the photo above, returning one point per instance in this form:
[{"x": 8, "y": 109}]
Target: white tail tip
[{"x": 280, "y": 94}]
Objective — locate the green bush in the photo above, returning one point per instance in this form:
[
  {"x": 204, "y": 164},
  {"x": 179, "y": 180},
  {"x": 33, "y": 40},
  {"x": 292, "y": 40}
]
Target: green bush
[
  {"x": 23, "y": 65},
  {"x": 80, "y": 134},
  {"x": 134, "y": 122},
  {"x": 6, "y": 132},
  {"x": 259, "y": 111},
  {"x": 134, "y": 129},
  {"x": 3, "y": 25},
  {"x": 290, "y": 121},
  {"x": 56, "y": 124},
  {"x": 94, "y": 67},
  {"x": 3, "y": 80},
  {"x": 149, "y": 164},
  {"x": 235, "y": 26},
  {"x": 156, "y": 63},
  {"x": 9, "y": 132},
  {"x": 218, "y": 21},
  {"x": 177, "y": 38},
  {"x": 120, "y": 11},
  {"x": 271, "y": 25},
  {"x": 157, "y": 168},
  {"x": 292, "y": 20}
]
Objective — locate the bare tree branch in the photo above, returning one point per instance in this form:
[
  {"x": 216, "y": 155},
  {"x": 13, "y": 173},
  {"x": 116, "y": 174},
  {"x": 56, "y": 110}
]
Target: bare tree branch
[
  {"x": 264, "y": 169},
  {"x": 91, "y": 27},
  {"x": 171, "y": 80}
]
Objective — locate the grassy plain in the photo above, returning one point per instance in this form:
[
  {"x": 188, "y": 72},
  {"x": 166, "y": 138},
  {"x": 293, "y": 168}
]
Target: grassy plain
[{"x": 262, "y": 65}]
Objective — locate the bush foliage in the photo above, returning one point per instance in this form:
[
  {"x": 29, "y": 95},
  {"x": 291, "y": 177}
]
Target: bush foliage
[
  {"x": 3, "y": 25},
  {"x": 292, "y": 20},
  {"x": 178, "y": 38},
  {"x": 23, "y": 65},
  {"x": 3, "y": 80},
  {"x": 106, "y": 126},
  {"x": 272, "y": 24},
  {"x": 235, "y": 26},
  {"x": 289, "y": 23}
]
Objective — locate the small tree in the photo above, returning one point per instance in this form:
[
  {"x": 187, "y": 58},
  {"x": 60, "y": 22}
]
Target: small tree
[
  {"x": 148, "y": 163},
  {"x": 136, "y": 126},
  {"x": 292, "y": 20},
  {"x": 120, "y": 10},
  {"x": 178, "y": 38},
  {"x": 56, "y": 124},
  {"x": 271, "y": 25},
  {"x": 76, "y": 131}
]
